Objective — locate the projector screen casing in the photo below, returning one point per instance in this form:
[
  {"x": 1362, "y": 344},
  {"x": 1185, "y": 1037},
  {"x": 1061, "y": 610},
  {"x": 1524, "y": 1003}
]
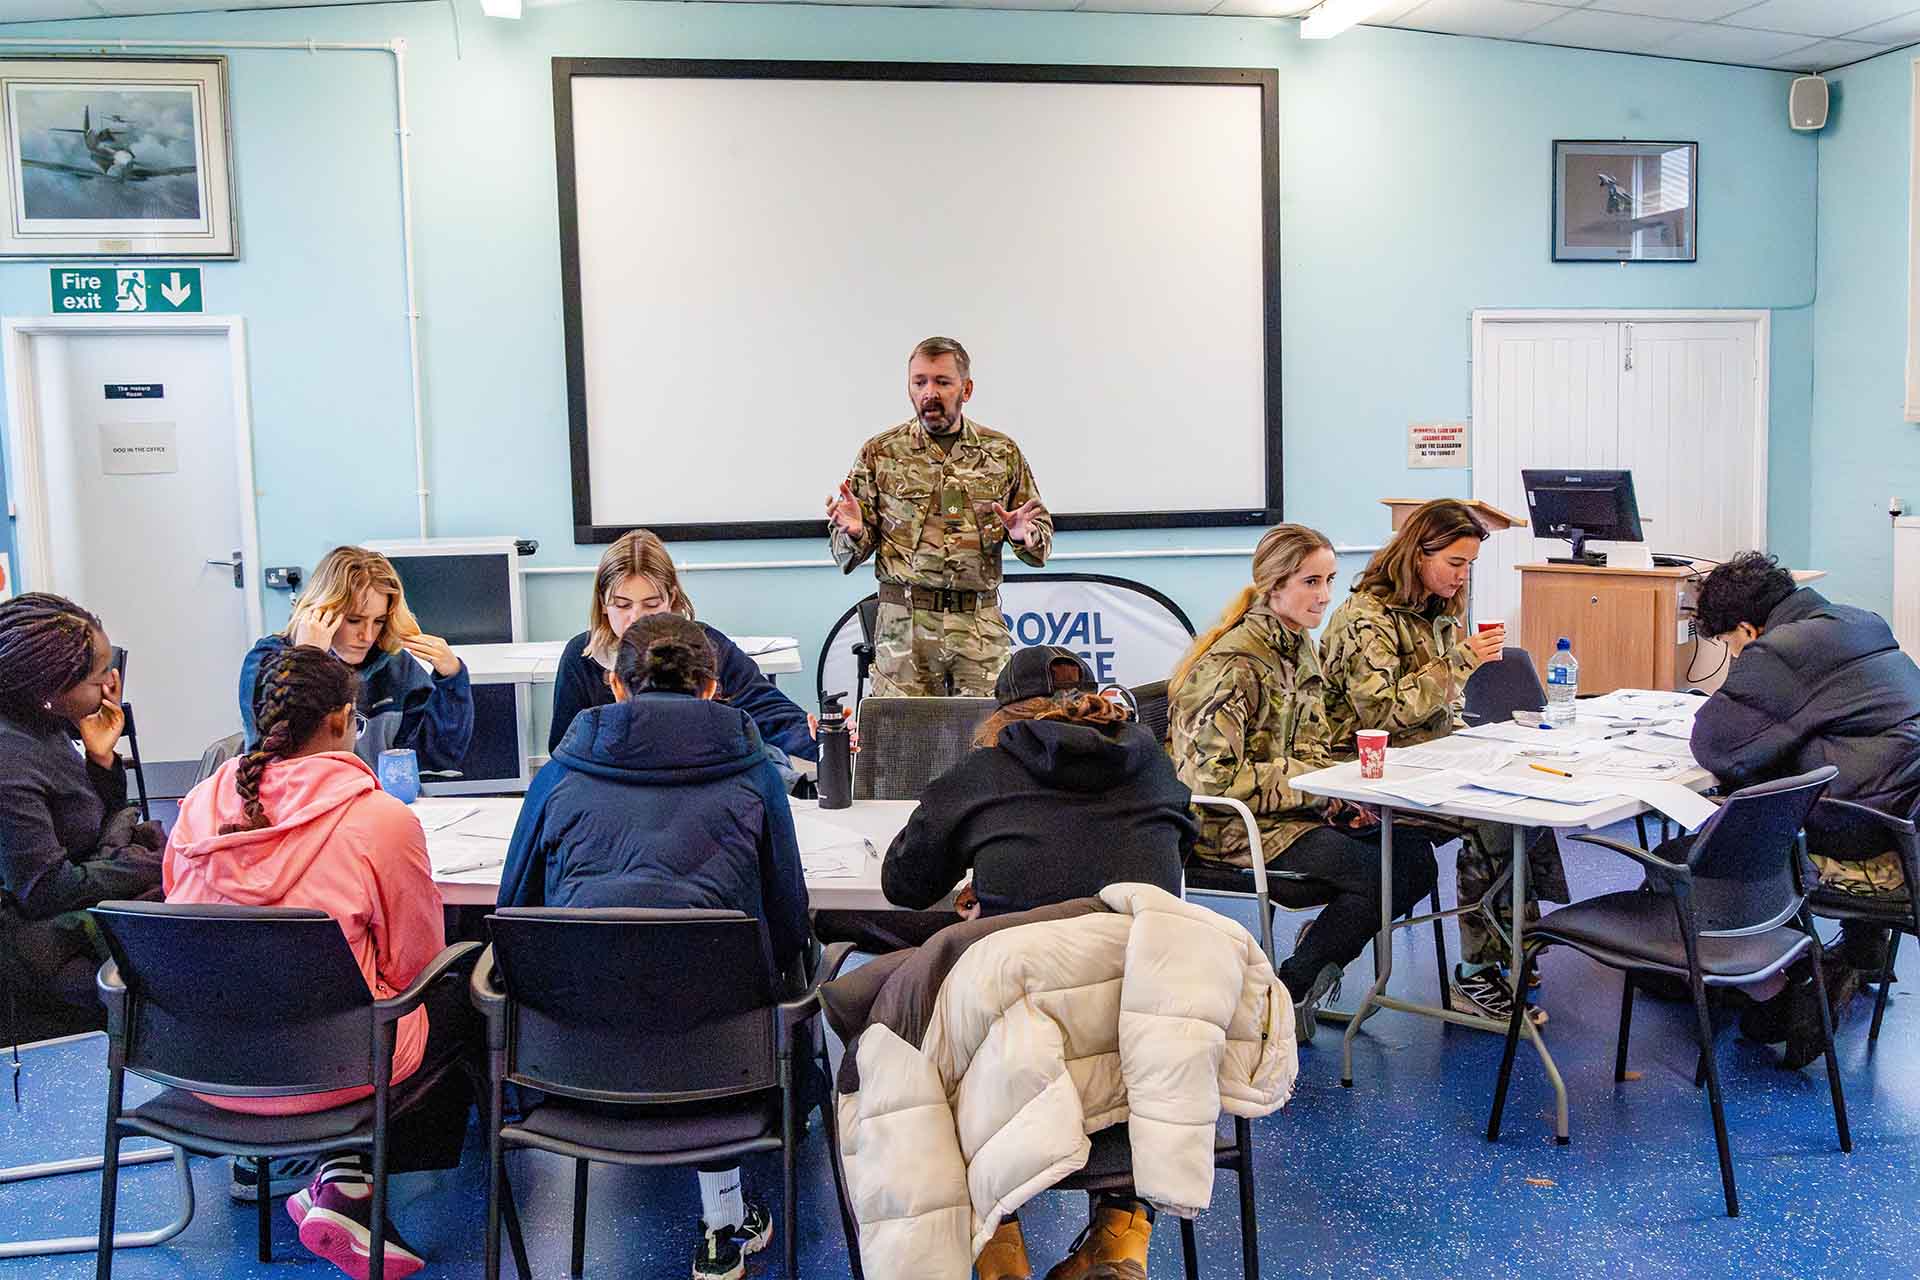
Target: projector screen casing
[{"x": 1259, "y": 387}]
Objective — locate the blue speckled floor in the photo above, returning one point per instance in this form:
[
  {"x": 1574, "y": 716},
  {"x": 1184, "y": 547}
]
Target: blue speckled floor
[{"x": 1392, "y": 1178}]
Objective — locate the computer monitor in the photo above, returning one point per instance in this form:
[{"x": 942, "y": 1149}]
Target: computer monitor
[
  {"x": 1583, "y": 506},
  {"x": 466, "y": 591}
]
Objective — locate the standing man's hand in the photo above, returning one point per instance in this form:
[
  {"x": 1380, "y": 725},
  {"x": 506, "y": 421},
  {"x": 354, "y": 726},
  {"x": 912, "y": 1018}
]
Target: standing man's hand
[
  {"x": 1019, "y": 521},
  {"x": 844, "y": 510}
]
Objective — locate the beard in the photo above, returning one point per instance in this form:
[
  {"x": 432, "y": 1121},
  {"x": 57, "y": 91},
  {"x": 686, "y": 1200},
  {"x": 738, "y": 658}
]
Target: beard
[{"x": 937, "y": 420}]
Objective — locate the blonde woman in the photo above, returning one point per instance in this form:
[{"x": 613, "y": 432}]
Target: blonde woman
[
  {"x": 1397, "y": 657},
  {"x": 636, "y": 579},
  {"x": 355, "y": 609},
  {"x": 1246, "y": 714}
]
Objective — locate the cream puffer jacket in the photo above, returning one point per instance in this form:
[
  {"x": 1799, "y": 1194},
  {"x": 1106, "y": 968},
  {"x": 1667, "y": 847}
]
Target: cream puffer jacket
[{"x": 1155, "y": 1012}]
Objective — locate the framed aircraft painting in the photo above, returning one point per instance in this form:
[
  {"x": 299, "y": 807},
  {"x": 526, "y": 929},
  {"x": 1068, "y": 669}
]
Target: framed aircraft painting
[
  {"x": 1625, "y": 201},
  {"x": 116, "y": 158}
]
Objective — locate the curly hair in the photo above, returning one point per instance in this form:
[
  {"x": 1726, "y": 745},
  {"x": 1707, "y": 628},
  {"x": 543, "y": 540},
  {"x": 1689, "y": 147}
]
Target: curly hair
[
  {"x": 46, "y": 648},
  {"x": 1744, "y": 589},
  {"x": 1090, "y": 709},
  {"x": 300, "y": 686},
  {"x": 666, "y": 653}
]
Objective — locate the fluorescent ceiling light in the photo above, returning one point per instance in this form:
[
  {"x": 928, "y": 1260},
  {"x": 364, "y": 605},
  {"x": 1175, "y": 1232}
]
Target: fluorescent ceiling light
[
  {"x": 500, "y": 8},
  {"x": 1335, "y": 16}
]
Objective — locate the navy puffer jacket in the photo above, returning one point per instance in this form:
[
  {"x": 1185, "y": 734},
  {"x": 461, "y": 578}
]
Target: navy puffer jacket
[
  {"x": 1824, "y": 684},
  {"x": 662, "y": 801}
]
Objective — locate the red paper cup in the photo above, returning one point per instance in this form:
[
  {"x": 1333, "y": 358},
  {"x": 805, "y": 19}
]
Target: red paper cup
[
  {"x": 1491, "y": 626},
  {"x": 1373, "y": 752}
]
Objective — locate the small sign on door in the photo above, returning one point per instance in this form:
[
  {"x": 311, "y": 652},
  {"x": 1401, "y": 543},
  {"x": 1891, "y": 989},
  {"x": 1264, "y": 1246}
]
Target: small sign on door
[
  {"x": 1436, "y": 445},
  {"x": 136, "y": 391},
  {"x": 138, "y": 448}
]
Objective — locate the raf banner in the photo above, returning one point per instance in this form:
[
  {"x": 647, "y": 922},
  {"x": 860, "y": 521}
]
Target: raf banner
[{"x": 1129, "y": 633}]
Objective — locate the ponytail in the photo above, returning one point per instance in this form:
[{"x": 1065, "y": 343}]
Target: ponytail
[
  {"x": 299, "y": 687},
  {"x": 1206, "y": 639}
]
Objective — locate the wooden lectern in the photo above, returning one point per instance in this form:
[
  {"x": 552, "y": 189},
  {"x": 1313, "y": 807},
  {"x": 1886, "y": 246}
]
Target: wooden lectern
[{"x": 1489, "y": 515}]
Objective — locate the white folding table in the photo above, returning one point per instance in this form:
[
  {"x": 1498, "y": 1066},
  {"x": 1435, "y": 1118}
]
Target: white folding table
[{"x": 1343, "y": 782}]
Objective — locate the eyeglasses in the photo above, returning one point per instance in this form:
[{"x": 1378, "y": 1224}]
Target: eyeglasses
[{"x": 359, "y": 726}]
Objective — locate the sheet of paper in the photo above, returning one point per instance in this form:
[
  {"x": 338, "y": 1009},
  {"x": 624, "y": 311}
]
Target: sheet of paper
[
  {"x": 1470, "y": 754},
  {"x": 1431, "y": 790},
  {"x": 454, "y": 855},
  {"x": 1685, "y": 807},
  {"x": 1580, "y": 730},
  {"x": 1544, "y": 786},
  {"x": 492, "y": 823},
  {"x": 1657, "y": 744},
  {"x": 832, "y": 864},
  {"x": 1623, "y": 762},
  {"x": 438, "y": 817}
]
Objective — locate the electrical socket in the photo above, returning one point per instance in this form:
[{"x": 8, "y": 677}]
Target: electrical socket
[{"x": 284, "y": 577}]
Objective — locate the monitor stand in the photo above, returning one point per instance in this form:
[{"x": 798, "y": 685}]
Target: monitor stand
[{"x": 1579, "y": 553}]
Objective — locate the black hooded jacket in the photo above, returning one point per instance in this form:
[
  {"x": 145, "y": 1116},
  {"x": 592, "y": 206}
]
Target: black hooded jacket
[
  {"x": 1824, "y": 684},
  {"x": 1056, "y": 811}
]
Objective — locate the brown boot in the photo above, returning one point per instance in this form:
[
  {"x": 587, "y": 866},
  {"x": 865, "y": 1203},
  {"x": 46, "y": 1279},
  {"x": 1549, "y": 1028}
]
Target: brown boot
[
  {"x": 1113, "y": 1247},
  {"x": 1005, "y": 1257}
]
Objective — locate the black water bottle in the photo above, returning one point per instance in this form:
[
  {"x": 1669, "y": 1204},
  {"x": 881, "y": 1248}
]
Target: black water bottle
[{"x": 836, "y": 754}]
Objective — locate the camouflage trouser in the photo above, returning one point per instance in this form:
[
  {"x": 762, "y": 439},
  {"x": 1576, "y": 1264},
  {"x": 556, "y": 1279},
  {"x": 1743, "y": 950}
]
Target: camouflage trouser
[
  {"x": 921, "y": 653},
  {"x": 1876, "y": 877},
  {"x": 1485, "y": 850}
]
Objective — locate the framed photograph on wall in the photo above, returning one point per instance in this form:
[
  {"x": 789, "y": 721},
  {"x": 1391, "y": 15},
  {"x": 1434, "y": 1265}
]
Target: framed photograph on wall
[
  {"x": 1625, "y": 201},
  {"x": 116, "y": 158}
]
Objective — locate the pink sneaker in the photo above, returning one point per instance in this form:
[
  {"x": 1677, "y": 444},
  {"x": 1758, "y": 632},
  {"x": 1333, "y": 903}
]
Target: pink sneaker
[{"x": 337, "y": 1225}]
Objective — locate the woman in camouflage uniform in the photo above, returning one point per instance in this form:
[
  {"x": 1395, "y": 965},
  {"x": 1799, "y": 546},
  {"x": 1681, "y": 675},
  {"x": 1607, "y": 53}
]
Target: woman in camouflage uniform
[
  {"x": 1397, "y": 657},
  {"x": 1246, "y": 718}
]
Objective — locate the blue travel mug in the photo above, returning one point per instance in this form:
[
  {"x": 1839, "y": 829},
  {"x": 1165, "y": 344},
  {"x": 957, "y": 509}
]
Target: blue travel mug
[{"x": 399, "y": 774}]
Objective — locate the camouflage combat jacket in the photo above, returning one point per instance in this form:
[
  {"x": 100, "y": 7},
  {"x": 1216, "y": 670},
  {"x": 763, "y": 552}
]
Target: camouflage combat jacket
[
  {"x": 1393, "y": 668},
  {"x": 900, "y": 479},
  {"x": 1247, "y": 720}
]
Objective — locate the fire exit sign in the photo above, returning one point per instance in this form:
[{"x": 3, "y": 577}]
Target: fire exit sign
[{"x": 96, "y": 290}]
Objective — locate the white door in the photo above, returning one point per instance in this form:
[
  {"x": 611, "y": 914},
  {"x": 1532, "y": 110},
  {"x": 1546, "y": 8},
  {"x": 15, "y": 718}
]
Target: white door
[
  {"x": 134, "y": 489},
  {"x": 1674, "y": 401}
]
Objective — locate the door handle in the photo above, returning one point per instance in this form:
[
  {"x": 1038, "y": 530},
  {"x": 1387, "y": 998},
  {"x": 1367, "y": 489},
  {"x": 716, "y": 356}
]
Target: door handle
[{"x": 239, "y": 566}]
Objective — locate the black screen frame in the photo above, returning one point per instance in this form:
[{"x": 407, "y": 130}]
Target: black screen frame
[{"x": 566, "y": 70}]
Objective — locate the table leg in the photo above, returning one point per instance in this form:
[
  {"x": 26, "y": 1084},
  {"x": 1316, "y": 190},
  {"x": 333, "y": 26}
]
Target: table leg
[
  {"x": 1382, "y": 950},
  {"x": 1521, "y": 839}
]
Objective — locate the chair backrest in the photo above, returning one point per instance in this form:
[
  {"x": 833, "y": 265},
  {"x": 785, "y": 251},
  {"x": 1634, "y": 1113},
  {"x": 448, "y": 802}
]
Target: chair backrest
[
  {"x": 1498, "y": 689},
  {"x": 1151, "y": 701},
  {"x": 869, "y": 618},
  {"x": 636, "y": 1005},
  {"x": 246, "y": 1001},
  {"x": 905, "y": 743},
  {"x": 218, "y": 753},
  {"x": 1744, "y": 859}
]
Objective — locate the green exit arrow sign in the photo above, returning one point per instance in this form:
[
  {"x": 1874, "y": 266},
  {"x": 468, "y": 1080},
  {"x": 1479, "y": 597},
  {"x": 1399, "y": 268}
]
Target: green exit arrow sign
[{"x": 123, "y": 290}]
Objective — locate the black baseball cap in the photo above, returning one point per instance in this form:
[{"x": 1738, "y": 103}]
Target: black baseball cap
[{"x": 1029, "y": 674}]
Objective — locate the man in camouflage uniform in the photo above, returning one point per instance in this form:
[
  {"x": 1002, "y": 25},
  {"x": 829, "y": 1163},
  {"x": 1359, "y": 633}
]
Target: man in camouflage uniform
[
  {"x": 934, "y": 500},
  {"x": 1405, "y": 670}
]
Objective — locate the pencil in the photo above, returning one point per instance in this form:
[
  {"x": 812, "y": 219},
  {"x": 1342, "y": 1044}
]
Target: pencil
[{"x": 1558, "y": 773}]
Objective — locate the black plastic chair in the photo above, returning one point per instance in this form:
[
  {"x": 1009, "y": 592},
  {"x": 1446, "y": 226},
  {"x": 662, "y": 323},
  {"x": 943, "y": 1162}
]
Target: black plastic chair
[
  {"x": 1151, "y": 704},
  {"x": 1735, "y": 913},
  {"x": 1498, "y": 689},
  {"x": 863, "y": 652},
  {"x": 656, "y": 1036},
  {"x": 248, "y": 1002},
  {"x": 1109, "y": 1168},
  {"x": 905, "y": 743},
  {"x": 1842, "y": 829},
  {"x": 218, "y": 752},
  {"x": 130, "y": 734}
]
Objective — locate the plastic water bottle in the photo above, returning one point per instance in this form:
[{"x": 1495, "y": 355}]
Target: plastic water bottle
[{"x": 1563, "y": 684}]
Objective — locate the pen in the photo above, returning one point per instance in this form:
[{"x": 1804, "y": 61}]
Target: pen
[
  {"x": 1611, "y": 736},
  {"x": 1558, "y": 773}
]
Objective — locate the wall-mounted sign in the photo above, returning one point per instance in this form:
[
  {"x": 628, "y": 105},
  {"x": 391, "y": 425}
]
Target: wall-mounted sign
[
  {"x": 103, "y": 290},
  {"x": 136, "y": 390},
  {"x": 1435, "y": 445},
  {"x": 138, "y": 448}
]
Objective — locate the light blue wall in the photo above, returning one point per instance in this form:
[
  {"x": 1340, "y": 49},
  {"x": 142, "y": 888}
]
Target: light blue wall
[
  {"x": 1861, "y": 452},
  {"x": 1415, "y": 187}
]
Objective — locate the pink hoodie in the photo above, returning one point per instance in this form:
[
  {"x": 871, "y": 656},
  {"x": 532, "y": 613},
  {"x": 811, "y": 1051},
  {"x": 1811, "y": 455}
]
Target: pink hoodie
[{"x": 336, "y": 843}]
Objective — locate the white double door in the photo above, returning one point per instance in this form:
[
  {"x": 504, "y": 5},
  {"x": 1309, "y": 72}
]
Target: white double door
[{"x": 1680, "y": 402}]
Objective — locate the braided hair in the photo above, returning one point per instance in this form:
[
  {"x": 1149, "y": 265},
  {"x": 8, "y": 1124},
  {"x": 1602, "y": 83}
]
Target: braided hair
[
  {"x": 299, "y": 688},
  {"x": 665, "y": 653},
  {"x": 46, "y": 648}
]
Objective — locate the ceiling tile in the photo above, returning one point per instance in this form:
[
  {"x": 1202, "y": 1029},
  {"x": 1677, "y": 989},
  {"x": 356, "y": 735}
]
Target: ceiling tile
[
  {"x": 1898, "y": 31},
  {"x": 1502, "y": 19},
  {"x": 1147, "y": 6},
  {"x": 1620, "y": 32},
  {"x": 1687, "y": 10},
  {"x": 1713, "y": 42},
  {"x": 1825, "y": 55},
  {"x": 1820, "y": 17},
  {"x": 1261, "y": 8}
]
